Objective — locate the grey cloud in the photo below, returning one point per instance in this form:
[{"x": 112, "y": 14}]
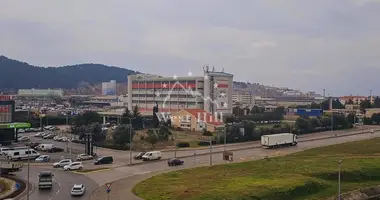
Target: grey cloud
[{"x": 305, "y": 44}]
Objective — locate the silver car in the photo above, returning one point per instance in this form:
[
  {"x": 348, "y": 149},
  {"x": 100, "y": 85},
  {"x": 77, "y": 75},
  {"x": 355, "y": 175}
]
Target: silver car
[{"x": 78, "y": 190}]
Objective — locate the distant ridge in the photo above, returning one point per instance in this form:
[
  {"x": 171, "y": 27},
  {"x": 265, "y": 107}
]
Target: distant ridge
[{"x": 16, "y": 75}]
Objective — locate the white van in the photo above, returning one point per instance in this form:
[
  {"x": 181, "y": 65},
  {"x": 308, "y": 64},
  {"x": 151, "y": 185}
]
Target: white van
[
  {"x": 44, "y": 147},
  {"x": 22, "y": 154},
  {"x": 4, "y": 150},
  {"x": 152, "y": 155}
]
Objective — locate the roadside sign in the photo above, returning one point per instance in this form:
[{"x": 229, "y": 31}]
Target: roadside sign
[
  {"x": 108, "y": 190},
  {"x": 17, "y": 186},
  {"x": 108, "y": 185}
]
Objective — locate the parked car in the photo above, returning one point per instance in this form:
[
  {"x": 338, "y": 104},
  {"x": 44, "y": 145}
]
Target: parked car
[
  {"x": 33, "y": 145},
  {"x": 55, "y": 149},
  {"x": 64, "y": 139},
  {"x": 78, "y": 190},
  {"x": 50, "y": 136},
  {"x": 81, "y": 157},
  {"x": 23, "y": 139},
  {"x": 73, "y": 166},
  {"x": 21, "y": 130},
  {"x": 39, "y": 134},
  {"x": 175, "y": 161},
  {"x": 43, "y": 158},
  {"x": 104, "y": 160},
  {"x": 62, "y": 163},
  {"x": 139, "y": 156}
]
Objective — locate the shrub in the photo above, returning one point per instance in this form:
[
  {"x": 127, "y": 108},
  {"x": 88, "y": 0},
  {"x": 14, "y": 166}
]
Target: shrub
[
  {"x": 205, "y": 143},
  {"x": 183, "y": 144}
]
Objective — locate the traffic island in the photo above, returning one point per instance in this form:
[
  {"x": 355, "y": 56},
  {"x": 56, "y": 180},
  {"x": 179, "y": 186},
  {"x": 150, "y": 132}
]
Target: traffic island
[
  {"x": 11, "y": 187},
  {"x": 311, "y": 174},
  {"x": 87, "y": 171}
]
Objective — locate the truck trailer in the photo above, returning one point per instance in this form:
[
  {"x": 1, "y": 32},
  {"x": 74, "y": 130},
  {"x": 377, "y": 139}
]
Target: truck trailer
[
  {"x": 45, "y": 180},
  {"x": 278, "y": 140},
  {"x": 7, "y": 166}
]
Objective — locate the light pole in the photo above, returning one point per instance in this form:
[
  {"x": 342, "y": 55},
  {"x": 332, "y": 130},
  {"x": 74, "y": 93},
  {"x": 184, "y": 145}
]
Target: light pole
[
  {"x": 27, "y": 184},
  {"x": 339, "y": 163},
  {"x": 130, "y": 140},
  {"x": 210, "y": 151}
]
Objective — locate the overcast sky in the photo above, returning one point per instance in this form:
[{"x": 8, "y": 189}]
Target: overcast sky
[{"x": 302, "y": 44}]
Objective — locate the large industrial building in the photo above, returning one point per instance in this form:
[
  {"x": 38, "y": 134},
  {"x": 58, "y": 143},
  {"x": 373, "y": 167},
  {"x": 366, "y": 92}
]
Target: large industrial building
[
  {"x": 40, "y": 92},
  {"x": 109, "y": 88},
  {"x": 211, "y": 92}
]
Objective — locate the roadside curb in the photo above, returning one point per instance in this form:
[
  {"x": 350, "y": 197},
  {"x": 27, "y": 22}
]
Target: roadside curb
[
  {"x": 89, "y": 172},
  {"x": 258, "y": 146}
]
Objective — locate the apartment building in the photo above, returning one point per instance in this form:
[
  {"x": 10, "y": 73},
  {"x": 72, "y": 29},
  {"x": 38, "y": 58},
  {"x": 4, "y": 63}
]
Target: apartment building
[
  {"x": 211, "y": 92},
  {"x": 243, "y": 98}
]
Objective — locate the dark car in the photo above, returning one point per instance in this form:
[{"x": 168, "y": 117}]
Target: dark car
[
  {"x": 104, "y": 160},
  {"x": 175, "y": 161},
  {"x": 139, "y": 156},
  {"x": 55, "y": 149},
  {"x": 33, "y": 145}
]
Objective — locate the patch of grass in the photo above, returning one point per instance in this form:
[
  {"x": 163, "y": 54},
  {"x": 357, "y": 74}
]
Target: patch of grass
[
  {"x": 311, "y": 174},
  {"x": 4, "y": 186}
]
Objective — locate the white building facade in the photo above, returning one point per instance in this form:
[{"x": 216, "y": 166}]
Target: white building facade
[
  {"x": 40, "y": 92},
  {"x": 211, "y": 92},
  {"x": 109, "y": 88}
]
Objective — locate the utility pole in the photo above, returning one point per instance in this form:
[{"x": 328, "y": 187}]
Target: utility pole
[
  {"x": 27, "y": 184},
  {"x": 339, "y": 163},
  {"x": 210, "y": 151},
  {"x": 130, "y": 141}
]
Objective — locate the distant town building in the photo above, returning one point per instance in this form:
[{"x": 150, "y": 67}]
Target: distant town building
[
  {"x": 211, "y": 92},
  {"x": 355, "y": 99},
  {"x": 243, "y": 97},
  {"x": 40, "y": 92},
  {"x": 109, "y": 88}
]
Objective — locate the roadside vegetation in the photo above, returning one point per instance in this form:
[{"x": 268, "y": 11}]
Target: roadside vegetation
[{"x": 311, "y": 174}]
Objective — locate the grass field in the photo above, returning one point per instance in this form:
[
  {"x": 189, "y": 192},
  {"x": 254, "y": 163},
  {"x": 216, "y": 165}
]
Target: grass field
[{"x": 311, "y": 174}]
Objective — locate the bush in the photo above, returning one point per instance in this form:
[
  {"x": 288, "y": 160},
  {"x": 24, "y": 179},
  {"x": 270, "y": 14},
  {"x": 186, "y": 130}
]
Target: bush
[
  {"x": 183, "y": 144},
  {"x": 112, "y": 146},
  {"x": 205, "y": 143}
]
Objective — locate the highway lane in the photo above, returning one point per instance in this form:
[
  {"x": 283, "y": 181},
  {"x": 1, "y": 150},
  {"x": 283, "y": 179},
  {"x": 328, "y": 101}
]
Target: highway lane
[
  {"x": 122, "y": 157},
  {"x": 63, "y": 182},
  {"x": 239, "y": 156}
]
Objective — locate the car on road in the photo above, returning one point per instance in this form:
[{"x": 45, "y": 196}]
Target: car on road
[
  {"x": 55, "y": 149},
  {"x": 78, "y": 190},
  {"x": 82, "y": 157},
  {"x": 43, "y": 158},
  {"x": 104, "y": 160},
  {"x": 73, "y": 166},
  {"x": 139, "y": 156},
  {"x": 44, "y": 134},
  {"x": 175, "y": 161},
  {"x": 21, "y": 131},
  {"x": 62, "y": 163}
]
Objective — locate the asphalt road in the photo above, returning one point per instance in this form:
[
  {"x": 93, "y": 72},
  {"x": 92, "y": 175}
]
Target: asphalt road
[
  {"x": 63, "y": 182},
  {"x": 203, "y": 160},
  {"x": 122, "y": 157}
]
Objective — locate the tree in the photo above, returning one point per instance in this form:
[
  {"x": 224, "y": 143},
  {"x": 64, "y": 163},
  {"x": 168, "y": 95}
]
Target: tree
[
  {"x": 375, "y": 118},
  {"x": 365, "y": 104},
  {"x": 376, "y": 102},
  {"x": 256, "y": 109},
  {"x": 137, "y": 119},
  {"x": 280, "y": 110},
  {"x": 207, "y": 133},
  {"x": 151, "y": 138},
  {"x": 127, "y": 115},
  {"x": 122, "y": 135},
  {"x": 87, "y": 118}
]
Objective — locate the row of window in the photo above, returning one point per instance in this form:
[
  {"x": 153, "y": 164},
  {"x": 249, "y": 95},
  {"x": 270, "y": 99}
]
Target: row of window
[
  {"x": 166, "y": 82},
  {"x": 135, "y": 90},
  {"x": 167, "y": 103},
  {"x": 164, "y": 95}
]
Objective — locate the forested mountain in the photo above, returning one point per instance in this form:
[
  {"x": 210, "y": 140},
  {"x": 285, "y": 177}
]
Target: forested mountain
[{"x": 15, "y": 75}]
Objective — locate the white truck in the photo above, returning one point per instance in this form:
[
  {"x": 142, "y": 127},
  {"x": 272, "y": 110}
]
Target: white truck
[
  {"x": 278, "y": 140},
  {"x": 7, "y": 166}
]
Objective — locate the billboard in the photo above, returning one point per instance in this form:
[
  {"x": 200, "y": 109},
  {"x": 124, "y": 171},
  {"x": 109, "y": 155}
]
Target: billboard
[{"x": 309, "y": 112}]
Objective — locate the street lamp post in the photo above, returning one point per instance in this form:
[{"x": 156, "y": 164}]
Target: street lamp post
[
  {"x": 27, "y": 184},
  {"x": 130, "y": 140},
  {"x": 339, "y": 163}
]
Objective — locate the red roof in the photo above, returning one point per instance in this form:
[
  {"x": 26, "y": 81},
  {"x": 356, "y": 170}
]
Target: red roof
[{"x": 205, "y": 116}]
